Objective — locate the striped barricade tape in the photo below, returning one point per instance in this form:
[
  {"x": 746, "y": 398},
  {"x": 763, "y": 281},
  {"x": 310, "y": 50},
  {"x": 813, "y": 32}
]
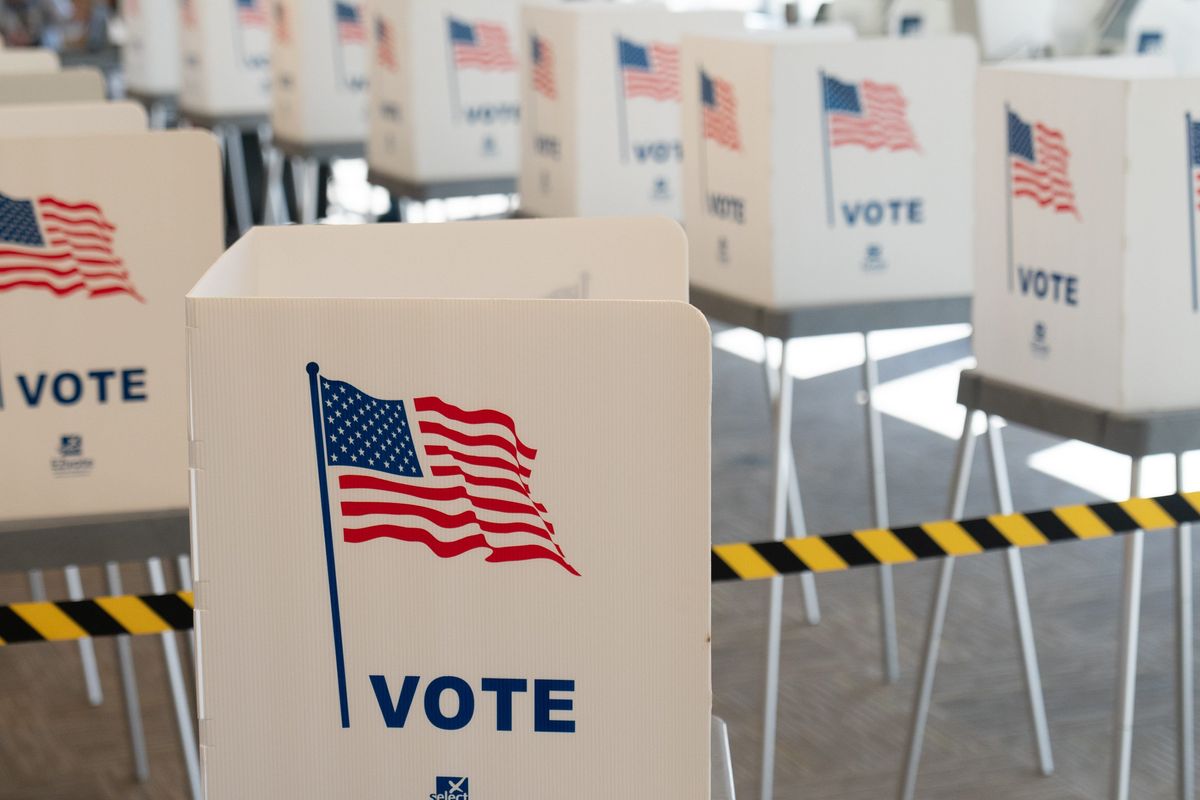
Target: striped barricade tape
[
  {"x": 746, "y": 561},
  {"x": 101, "y": 616},
  {"x": 741, "y": 561}
]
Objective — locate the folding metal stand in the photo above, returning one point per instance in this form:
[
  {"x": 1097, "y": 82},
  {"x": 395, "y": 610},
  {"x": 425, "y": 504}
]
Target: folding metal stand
[
  {"x": 786, "y": 325},
  {"x": 404, "y": 190},
  {"x": 229, "y": 131},
  {"x": 110, "y": 539},
  {"x": 306, "y": 169},
  {"x": 1135, "y": 435},
  {"x": 721, "y": 763}
]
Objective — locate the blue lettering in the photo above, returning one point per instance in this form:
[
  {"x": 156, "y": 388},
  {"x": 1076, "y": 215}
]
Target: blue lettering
[
  {"x": 658, "y": 152},
  {"x": 433, "y": 703},
  {"x": 489, "y": 114},
  {"x": 547, "y": 146},
  {"x": 1056, "y": 287},
  {"x": 897, "y": 211},
  {"x": 726, "y": 207},
  {"x": 101, "y": 376},
  {"x": 35, "y": 398},
  {"x": 133, "y": 385},
  {"x": 504, "y": 689},
  {"x": 394, "y": 716},
  {"x": 544, "y": 705},
  {"x": 67, "y": 398}
]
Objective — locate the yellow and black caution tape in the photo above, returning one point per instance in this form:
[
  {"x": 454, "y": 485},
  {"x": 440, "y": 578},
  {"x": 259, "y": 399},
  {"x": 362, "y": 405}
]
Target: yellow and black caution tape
[
  {"x": 744, "y": 561},
  {"x": 102, "y": 616}
]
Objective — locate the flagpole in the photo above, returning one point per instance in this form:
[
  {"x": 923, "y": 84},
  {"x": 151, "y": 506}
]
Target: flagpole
[
  {"x": 335, "y": 609},
  {"x": 1192, "y": 201},
  {"x": 452, "y": 79},
  {"x": 622, "y": 116},
  {"x": 825, "y": 149},
  {"x": 1008, "y": 193}
]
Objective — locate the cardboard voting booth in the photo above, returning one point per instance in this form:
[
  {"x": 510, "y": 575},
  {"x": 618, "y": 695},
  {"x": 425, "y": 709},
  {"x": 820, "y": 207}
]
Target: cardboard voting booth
[
  {"x": 828, "y": 172},
  {"x": 319, "y": 52},
  {"x": 1167, "y": 28},
  {"x": 102, "y": 235},
  {"x": 71, "y": 119},
  {"x": 600, "y": 100},
  {"x": 473, "y": 605},
  {"x": 920, "y": 18},
  {"x": 1086, "y": 265},
  {"x": 79, "y": 84},
  {"x": 444, "y": 89},
  {"x": 226, "y": 50},
  {"x": 19, "y": 61},
  {"x": 150, "y": 57}
]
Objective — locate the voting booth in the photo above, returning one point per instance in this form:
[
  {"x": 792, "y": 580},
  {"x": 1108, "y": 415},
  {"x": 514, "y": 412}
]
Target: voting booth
[
  {"x": 27, "y": 60},
  {"x": 828, "y": 172},
  {"x": 1086, "y": 258},
  {"x": 102, "y": 237},
  {"x": 73, "y": 119},
  {"x": 150, "y": 57},
  {"x": 415, "y": 485},
  {"x": 454, "y": 122},
  {"x": 1167, "y": 28},
  {"x": 226, "y": 51},
  {"x": 920, "y": 18},
  {"x": 319, "y": 71},
  {"x": 79, "y": 84},
  {"x": 600, "y": 100}
]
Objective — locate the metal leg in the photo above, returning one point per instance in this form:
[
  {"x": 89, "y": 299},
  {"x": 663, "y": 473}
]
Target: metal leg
[
  {"x": 722, "y": 761},
  {"x": 783, "y": 464},
  {"x": 1131, "y": 609},
  {"x": 239, "y": 181},
  {"x": 133, "y": 705},
  {"x": 1002, "y": 492},
  {"x": 87, "y": 647},
  {"x": 183, "y": 712},
  {"x": 937, "y": 615},
  {"x": 1185, "y": 662},
  {"x": 184, "y": 563},
  {"x": 879, "y": 507},
  {"x": 307, "y": 173},
  {"x": 37, "y": 585},
  {"x": 808, "y": 586}
]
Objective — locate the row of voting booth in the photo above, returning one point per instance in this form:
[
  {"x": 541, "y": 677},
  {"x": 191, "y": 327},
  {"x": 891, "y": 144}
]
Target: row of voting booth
[{"x": 359, "y": 422}]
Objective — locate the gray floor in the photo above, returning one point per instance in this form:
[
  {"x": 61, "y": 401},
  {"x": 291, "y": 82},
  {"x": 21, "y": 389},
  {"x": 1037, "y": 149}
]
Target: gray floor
[{"x": 841, "y": 730}]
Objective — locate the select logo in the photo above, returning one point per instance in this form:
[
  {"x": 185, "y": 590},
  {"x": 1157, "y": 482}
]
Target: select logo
[
  {"x": 451, "y": 789},
  {"x": 70, "y": 461}
]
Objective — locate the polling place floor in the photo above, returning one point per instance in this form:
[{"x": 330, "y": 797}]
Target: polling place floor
[{"x": 842, "y": 732}]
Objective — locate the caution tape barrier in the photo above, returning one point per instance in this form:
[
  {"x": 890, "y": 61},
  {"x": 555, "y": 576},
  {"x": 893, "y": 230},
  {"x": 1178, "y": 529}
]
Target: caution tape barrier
[
  {"x": 138, "y": 615},
  {"x": 745, "y": 561}
]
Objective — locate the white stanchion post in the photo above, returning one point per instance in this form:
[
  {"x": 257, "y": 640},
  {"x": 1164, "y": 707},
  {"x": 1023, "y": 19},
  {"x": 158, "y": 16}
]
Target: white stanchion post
[
  {"x": 37, "y": 585},
  {"x": 184, "y": 563},
  {"x": 879, "y": 508},
  {"x": 1002, "y": 492},
  {"x": 783, "y": 464},
  {"x": 183, "y": 712},
  {"x": 133, "y": 705},
  {"x": 87, "y": 648},
  {"x": 937, "y": 614},
  {"x": 1184, "y": 636},
  {"x": 1131, "y": 610}
]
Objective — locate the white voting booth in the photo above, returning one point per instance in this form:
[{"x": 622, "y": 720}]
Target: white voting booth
[
  {"x": 1086, "y": 266},
  {"x": 226, "y": 52},
  {"x": 319, "y": 71},
  {"x": 828, "y": 172},
  {"x": 600, "y": 100},
  {"x": 79, "y": 84},
  {"x": 486, "y": 629},
  {"x": 150, "y": 57},
  {"x": 1170, "y": 28},
  {"x": 444, "y": 100},
  {"x": 25, "y": 60},
  {"x": 71, "y": 119}
]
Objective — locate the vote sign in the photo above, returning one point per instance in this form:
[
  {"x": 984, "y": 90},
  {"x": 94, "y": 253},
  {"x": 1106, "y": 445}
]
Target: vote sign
[
  {"x": 828, "y": 171},
  {"x": 438, "y": 504},
  {"x": 1086, "y": 261}
]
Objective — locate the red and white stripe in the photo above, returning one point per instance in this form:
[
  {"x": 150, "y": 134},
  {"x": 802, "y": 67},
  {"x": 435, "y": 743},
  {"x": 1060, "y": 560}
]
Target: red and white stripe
[
  {"x": 385, "y": 52},
  {"x": 661, "y": 81},
  {"x": 543, "y": 71},
  {"x": 720, "y": 121},
  {"x": 474, "y": 494},
  {"x": 883, "y": 122},
  {"x": 252, "y": 15},
  {"x": 490, "y": 51},
  {"x": 77, "y": 257},
  {"x": 1046, "y": 181}
]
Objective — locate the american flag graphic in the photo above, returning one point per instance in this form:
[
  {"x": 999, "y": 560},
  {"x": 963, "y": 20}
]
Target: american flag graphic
[
  {"x": 871, "y": 115},
  {"x": 432, "y": 473},
  {"x": 251, "y": 14},
  {"x": 649, "y": 70},
  {"x": 385, "y": 46},
  {"x": 349, "y": 23},
  {"x": 281, "y": 28},
  {"x": 1039, "y": 158},
  {"x": 187, "y": 14},
  {"x": 61, "y": 247},
  {"x": 720, "y": 112},
  {"x": 542, "y": 55},
  {"x": 481, "y": 45}
]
